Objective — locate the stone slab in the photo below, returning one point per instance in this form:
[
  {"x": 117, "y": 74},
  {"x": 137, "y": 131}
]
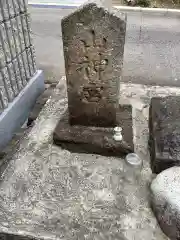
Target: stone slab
[
  {"x": 18, "y": 110},
  {"x": 165, "y": 201},
  {"x": 51, "y": 193},
  {"x": 93, "y": 52},
  {"x": 164, "y": 127},
  {"x": 98, "y": 139}
]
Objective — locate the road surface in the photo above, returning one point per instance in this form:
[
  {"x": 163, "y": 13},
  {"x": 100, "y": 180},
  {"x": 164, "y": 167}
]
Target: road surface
[{"x": 152, "y": 49}]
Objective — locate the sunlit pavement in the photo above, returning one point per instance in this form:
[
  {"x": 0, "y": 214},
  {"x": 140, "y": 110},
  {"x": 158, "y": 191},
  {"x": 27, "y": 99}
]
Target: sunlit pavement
[{"x": 151, "y": 50}]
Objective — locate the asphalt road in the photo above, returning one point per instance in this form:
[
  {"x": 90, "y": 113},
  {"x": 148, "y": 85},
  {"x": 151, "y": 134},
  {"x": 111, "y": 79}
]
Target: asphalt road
[{"x": 152, "y": 49}]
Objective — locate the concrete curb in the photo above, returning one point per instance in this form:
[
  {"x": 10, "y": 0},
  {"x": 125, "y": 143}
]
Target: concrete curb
[
  {"x": 163, "y": 11},
  {"x": 18, "y": 111}
]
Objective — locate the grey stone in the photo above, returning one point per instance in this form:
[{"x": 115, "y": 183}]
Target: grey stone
[
  {"x": 2, "y": 56},
  {"x": 13, "y": 78},
  {"x": 26, "y": 65},
  {"x": 4, "y": 41},
  {"x": 21, "y": 35},
  {"x": 10, "y": 39},
  {"x": 6, "y": 76},
  {"x": 30, "y": 61},
  {"x": 15, "y": 30},
  {"x": 97, "y": 139},
  {"x": 50, "y": 193},
  {"x": 11, "y": 9},
  {"x": 164, "y": 128},
  {"x": 165, "y": 201},
  {"x": 22, "y": 5},
  {"x": 16, "y": 7},
  {"x": 4, "y": 9},
  {"x": 28, "y": 22},
  {"x": 33, "y": 55},
  {"x": 3, "y": 92},
  {"x": 1, "y": 14},
  {"x": 25, "y": 30},
  {"x": 93, "y": 39},
  {"x": 19, "y": 80}
]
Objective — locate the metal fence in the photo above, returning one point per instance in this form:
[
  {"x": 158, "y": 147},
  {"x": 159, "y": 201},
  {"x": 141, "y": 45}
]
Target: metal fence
[{"x": 17, "y": 58}]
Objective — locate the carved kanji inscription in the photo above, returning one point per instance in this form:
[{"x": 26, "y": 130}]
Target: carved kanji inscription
[{"x": 93, "y": 41}]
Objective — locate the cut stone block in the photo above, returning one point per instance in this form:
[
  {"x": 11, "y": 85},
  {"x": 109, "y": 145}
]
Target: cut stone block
[
  {"x": 16, "y": 7},
  {"x": 15, "y": 31},
  {"x": 11, "y": 9},
  {"x": 6, "y": 78},
  {"x": 13, "y": 78},
  {"x": 165, "y": 201},
  {"x": 21, "y": 35},
  {"x": 98, "y": 139},
  {"x": 4, "y": 9},
  {"x": 26, "y": 65},
  {"x": 4, "y": 41},
  {"x": 30, "y": 61},
  {"x": 22, "y": 5},
  {"x": 2, "y": 56},
  {"x": 19, "y": 80},
  {"x": 93, "y": 39},
  {"x": 25, "y": 29},
  {"x": 10, "y": 38},
  {"x": 164, "y": 129},
  {"x": 3, "y": 92}
]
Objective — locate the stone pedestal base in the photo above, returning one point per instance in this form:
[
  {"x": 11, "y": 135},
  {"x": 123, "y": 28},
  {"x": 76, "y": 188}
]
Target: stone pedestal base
[{"x": 97, "y": 139}]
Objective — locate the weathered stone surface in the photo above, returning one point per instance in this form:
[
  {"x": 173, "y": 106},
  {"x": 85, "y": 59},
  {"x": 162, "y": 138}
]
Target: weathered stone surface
[
  {"x": 28, "y": 22},
  {"x": 17, "y": 71},
  {"x": 50, "y": 193},
  {"x": 16, "y": 7},
  {"x": 4, "y": 9},
  {"x": 13, "y": 78},
  {"x": 21, "y": 35},
  {"x": 2, "y": 55},
  {"x": 31, "y": 60},
  {"x": 93, "y": 40},
  {"x": 6, "y": 76},
  {"x": 98, "y": 139},
  {"x": 26, "y": 65},
  {"x": 10, "y": 39},
  {"x": 164, "y": 127},
  {"x": 3, "y": 92},
  {"x": 22, "y": 5},
  {"x": 15, "y": 30},
  {"x": 165, "y": 201},
  {"x": 25, "y": 30},
  {"x": 4, "y": 41},
  {"x": 11, "y": 10},
  {"x": 33, "y": 56},
  {"x": 1, "y": 14}
]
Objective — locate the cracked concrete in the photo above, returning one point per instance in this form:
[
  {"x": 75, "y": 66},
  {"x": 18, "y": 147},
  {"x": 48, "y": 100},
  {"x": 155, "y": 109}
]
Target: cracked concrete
[{"x": 47, "y": 192}]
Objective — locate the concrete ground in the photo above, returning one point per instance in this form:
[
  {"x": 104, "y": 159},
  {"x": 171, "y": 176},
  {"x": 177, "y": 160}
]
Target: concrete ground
[{"x": 48, "y": 192}]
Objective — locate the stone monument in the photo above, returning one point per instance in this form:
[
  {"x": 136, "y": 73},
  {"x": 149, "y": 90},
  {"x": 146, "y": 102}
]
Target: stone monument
[
  {"x": 164, "y": 128},
  {"x": 93, "y": 40}
]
